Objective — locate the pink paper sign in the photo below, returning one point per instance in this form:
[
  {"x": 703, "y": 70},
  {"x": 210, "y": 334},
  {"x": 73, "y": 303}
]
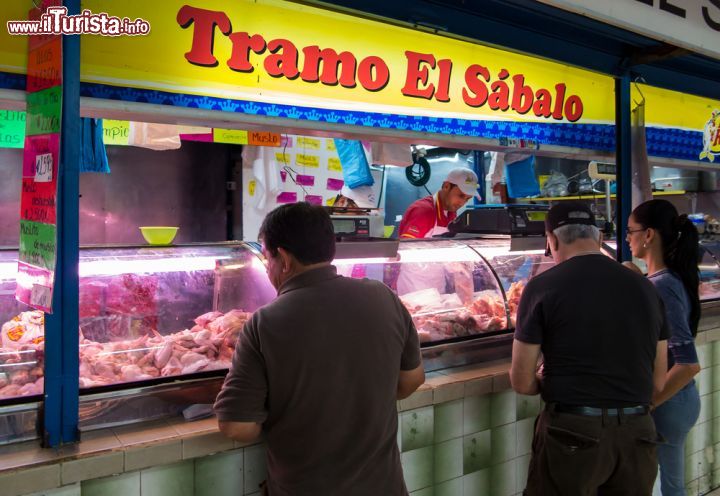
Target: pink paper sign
[
  {"x": 334, "y": 184},
  {"x": 305, "y": 180},
  {"x": 287, "y": 197},
  {"x": 314, "y": 199}
]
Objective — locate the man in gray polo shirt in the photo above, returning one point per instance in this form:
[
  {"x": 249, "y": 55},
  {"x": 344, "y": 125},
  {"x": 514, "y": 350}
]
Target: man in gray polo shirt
[{"x": 319, "y": 369}]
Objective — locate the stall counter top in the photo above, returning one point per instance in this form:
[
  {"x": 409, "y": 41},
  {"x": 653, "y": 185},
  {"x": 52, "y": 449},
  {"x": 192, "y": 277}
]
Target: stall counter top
[{"x": 27, "y": 468}]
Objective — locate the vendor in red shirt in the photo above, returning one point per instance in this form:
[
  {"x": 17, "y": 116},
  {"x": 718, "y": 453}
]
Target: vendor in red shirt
[{"x": 430, "y": 216}]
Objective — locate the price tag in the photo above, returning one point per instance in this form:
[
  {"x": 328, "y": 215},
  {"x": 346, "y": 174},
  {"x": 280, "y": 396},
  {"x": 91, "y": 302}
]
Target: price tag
[
  {"x": 41, "y": 296},
  {"x": 44, "y": 168}
]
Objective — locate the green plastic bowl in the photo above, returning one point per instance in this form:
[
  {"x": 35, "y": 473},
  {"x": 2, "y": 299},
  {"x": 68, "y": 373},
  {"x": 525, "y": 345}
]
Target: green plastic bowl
[{"x": 159, "y": 235}]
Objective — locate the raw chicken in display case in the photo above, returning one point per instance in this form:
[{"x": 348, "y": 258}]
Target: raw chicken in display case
[
  {"x": 513, "y": 269},
  {"x": 144, "y": 314},
  {"x": 448, "y": 288}
]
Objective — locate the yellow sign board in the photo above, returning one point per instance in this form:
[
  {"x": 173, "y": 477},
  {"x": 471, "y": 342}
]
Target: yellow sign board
[
  {"x": 283, "y": 158},
  {"x": 308, "y": 143},
  {"x": 307, "y": 160},
  {"x": 262, "y": 51},
  {"x": 334, "y": 164},
  {"x": 232, "y": 136},
  {"x": 116, "y": 132}
]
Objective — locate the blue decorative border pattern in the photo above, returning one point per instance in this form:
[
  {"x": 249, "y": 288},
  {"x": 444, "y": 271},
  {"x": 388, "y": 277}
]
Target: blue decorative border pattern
[
  {"x": 674, "y": 143},
  {"x": 661, "y": 142},
  {"x": 10, "y": 81},
  {"x": 597, "y": 137}
]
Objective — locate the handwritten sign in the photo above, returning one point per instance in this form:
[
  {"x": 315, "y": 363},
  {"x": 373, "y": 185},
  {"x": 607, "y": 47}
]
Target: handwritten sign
[
  {"x": 307, "y": 160},
  {"x": 334, "y": 164},
  {"x": 44, "y": 168},
  {"x": 259, "y": 138},
  {"x": 37, "y": 202},
  {"x": 283, "y": 158},
  {"x": 116, "y": 132},
  {"x": 37, "y": 244},
  {"x": 32, "y": 286},
  {"x": 314, "y": 199},
  {"x": 286, "y": 197},
  {"x": 37, "y": 255},
  {"x": 334, "y": 184},
  {"x": 41, "y": 296},
  {"x": 12, "y": 129},
  {"x": 43, "y": 111},
  {"x": 231, "y": 136},
  {"x": 40, "y": 145},
  {"x": 44, "y": 66},
  {"x": 305, "y": 180},
  {"x": 308, "y": 143}
]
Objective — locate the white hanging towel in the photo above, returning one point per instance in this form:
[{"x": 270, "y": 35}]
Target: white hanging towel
[{"x": 266, "y": 174}]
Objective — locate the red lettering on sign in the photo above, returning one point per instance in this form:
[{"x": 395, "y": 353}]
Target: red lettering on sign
[
  {"x": 204, "y": 22},
  {"x": 242, "y": 44},
  {"x": 417, "y": 74}
]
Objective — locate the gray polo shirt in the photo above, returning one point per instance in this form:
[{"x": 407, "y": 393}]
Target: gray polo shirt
[{"x": 319, "y": 368}]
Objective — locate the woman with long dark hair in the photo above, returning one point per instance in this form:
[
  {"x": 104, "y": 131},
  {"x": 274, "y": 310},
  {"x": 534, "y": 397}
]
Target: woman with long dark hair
[{"x": 668, "y": 244}]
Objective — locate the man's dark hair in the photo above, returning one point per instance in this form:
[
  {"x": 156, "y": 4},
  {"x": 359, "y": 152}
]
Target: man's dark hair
[{"x": 302, "y": 229}]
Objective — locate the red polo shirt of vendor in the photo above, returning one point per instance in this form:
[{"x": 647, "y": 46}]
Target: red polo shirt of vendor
[{"x": 422, "y": 216}]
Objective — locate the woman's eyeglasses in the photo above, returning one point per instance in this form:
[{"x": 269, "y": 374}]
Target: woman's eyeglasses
[{"x": 631, "y": 231}]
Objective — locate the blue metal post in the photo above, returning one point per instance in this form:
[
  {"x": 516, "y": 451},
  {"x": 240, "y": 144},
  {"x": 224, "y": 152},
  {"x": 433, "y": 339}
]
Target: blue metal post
[
  {"x": 623, "y": 155},
  {"x": 61, "y": 328}
]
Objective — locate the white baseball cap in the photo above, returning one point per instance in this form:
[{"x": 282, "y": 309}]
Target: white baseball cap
[
  {"x": 465, "y": 179},
  {"x": 363, "y": 196}
]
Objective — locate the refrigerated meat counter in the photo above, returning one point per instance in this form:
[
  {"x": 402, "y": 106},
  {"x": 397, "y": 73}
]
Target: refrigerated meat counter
[{"x": 157, "y": 325}]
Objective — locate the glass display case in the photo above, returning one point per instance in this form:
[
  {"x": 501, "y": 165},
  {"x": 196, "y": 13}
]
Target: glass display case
[
  {"x": 710, "y": 270},
  {"x": 157, "y": 325},
  {"x": 145, "y": 314},
  {"x": 447, "y": 287}
]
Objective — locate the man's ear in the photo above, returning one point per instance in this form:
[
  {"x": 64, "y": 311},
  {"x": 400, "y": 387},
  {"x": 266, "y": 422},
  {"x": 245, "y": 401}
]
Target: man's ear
[
  {"x": 446, "y": 186},
  {"x": 286, "y": 259}
]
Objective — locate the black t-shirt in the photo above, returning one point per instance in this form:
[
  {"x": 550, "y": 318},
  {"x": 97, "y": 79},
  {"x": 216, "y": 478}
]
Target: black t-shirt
[{"x": 598, "y": 324}]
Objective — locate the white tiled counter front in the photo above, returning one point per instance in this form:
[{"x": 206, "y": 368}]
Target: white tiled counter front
[{"x": 464, "y": 432}]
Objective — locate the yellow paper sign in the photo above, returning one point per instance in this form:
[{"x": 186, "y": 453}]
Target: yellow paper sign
[
  {"x": 307, "y": 160},
  {"x": 310, "y": 143},
  {"x": 251, "y": 187},
  {"x": 330, "y": 145},
  {"x": 334, "y": 164},
  {"x": 116, "y": 132},
  {"x": 232, "y": 136},
  {"x": 283, "y": 158}
]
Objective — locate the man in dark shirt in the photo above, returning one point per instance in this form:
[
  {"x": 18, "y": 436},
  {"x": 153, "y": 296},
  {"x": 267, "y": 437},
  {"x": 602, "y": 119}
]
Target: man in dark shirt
[
  {"x": 319, "y": 370},
  {"x": 602, "y": 331}
]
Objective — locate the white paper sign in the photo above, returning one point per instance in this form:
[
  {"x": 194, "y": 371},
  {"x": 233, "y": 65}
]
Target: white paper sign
[
  {"x": 41, "y": 296},
  {"x": 44, "y": 168}
]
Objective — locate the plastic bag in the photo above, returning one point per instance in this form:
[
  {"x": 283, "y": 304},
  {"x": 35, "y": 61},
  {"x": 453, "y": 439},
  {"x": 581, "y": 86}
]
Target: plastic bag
[
  {"x": 25, "y": 329},
  {"x": 520, "y": 177},
  {"x": 154, "y": 136},
  {"x": 556, "y": 185},
  {"x": 355, "y": 167}
]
